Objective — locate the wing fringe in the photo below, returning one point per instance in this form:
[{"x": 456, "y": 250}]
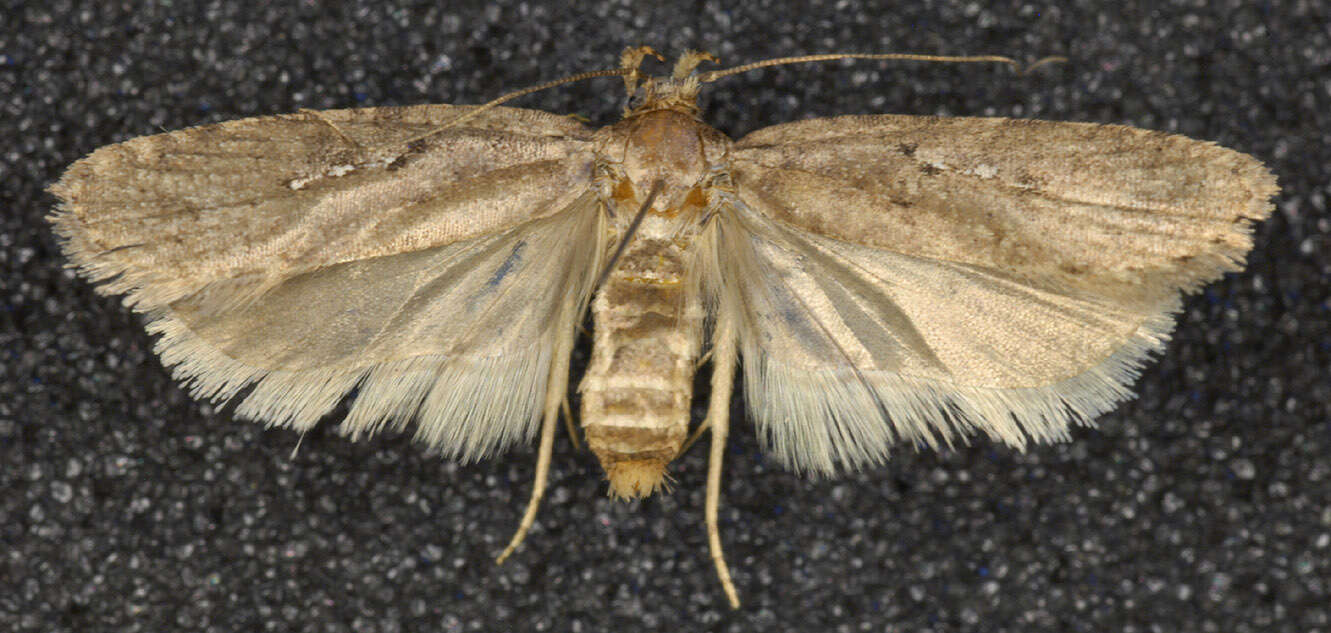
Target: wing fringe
[{"x": 823, "y": 420}]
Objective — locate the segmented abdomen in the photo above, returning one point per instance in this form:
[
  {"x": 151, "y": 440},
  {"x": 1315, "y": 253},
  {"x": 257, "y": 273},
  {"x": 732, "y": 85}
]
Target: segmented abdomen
[{"x": 638, "y": 388}]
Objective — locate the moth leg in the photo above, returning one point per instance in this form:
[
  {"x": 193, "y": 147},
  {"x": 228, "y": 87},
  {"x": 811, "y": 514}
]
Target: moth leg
[
  {"x": 702, "y": 360},
  {"x": 556, "y": 392},
  {"x": 568, "y": 424},
  {"x": 706, "y": 424},
  {"x": 538, "y": 486},
  {"x": 693, "y": 439},
  {"x": 718, "y": 420}
]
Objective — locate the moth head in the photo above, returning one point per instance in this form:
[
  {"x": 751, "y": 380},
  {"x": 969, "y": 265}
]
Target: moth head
[{"x": 678, "y": 92}]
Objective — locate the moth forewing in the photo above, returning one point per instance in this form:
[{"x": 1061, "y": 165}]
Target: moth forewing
[
  {"x": 165, "y": 216},
  {"x": 415, "y": 273},
  {"x": 1139, "y": 212},
  {"x": 885, "y": 278}
]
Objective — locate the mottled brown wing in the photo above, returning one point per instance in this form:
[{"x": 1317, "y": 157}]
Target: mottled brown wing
[
  {"x": 907, "y": 278},
  {"x": 310, "y": 255},
  {"x": 160, "y": 217}
]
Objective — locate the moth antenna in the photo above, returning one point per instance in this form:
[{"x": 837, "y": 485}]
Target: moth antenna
[
  {"x": 609, "y": 72},
  {"x": 711, "y": 76},
  {"x": 657, "y": 185},
  {"x": 336, "y": 130},
  {"x": 1044, "y": 61}
]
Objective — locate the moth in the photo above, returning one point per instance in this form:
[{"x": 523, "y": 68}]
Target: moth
[{"x": 886, "y": 279}]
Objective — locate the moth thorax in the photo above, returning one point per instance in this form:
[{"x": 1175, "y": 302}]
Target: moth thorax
[{"x": 665, "y": 145}]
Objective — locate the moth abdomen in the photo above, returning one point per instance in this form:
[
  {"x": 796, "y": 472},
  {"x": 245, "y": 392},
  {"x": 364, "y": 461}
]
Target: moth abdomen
[{"x": 637, "y": 392}]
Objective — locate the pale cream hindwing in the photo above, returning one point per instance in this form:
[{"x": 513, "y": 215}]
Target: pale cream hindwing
[
  {"x": 913, "y": 279},
  {"x": 317, "y": 255}
]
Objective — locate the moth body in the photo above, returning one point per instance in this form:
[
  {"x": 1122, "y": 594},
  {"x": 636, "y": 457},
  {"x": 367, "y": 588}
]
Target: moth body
[
  {"x": 637, "y": 390},
  {"x": 648, "y": 314}
]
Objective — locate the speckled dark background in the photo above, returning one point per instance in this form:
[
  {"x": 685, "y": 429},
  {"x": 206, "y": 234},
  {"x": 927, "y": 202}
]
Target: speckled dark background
[{"x": 1205, "y": 505}]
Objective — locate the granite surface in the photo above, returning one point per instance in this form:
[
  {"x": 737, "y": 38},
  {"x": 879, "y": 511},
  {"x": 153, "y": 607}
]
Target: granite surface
[{"x": 1204, "y": 505}]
